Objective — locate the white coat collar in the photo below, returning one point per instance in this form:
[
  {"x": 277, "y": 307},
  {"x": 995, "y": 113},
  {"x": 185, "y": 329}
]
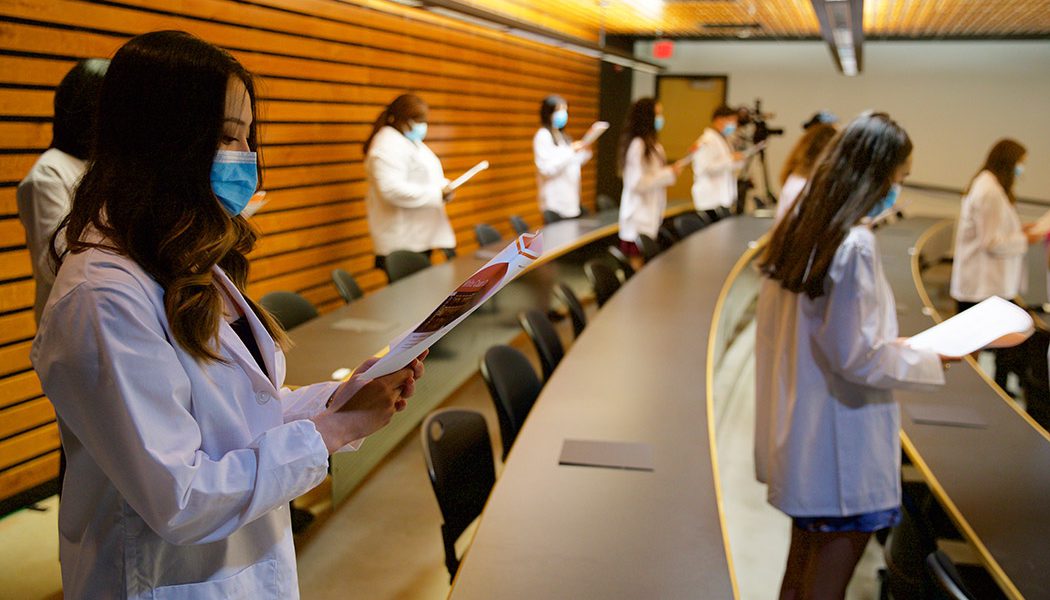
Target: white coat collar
[{"x": 229, "y": 338}]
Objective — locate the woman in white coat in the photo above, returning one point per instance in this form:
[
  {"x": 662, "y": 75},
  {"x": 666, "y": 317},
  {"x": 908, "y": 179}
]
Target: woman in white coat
[
  {"x": 827, "y": 357},
  {"x": 991, "y": 242},
  {"x": 558, "y": 160},
  {"x": 800, "y": 163},
  {"x": 407, "y": 189},
  {"x": 646, "y": 174},
  {"x": 183, "y": 446},
  {"x": 715, "y": 164}
]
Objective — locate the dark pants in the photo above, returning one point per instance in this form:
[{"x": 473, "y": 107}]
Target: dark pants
[{"x": 1007, "y": 360}]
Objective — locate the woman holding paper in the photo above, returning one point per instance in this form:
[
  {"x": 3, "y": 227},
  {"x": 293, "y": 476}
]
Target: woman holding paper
[
  {"x": 184, "y": 447},
  {"x": 800, "y": 163},
  {"x": 407, "y": 189},
  {"x": 827, "y": 358},
  {"x": 558, "y": 160},
  {"x": 646, "y": 174},
  {"x": 991, "y": 242}
]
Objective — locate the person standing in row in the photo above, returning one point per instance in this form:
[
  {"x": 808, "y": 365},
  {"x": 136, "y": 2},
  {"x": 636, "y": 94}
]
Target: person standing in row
[
  {"x": 827, "y": 358},
  {"x": 407, "y": 189},
  {"x": 715, "y": 164},
  {"x": 991, "y": 243},
  {"x": 646, "y": 174},
  {"x": 799, "y": 165},
  {"x": 558, "y": 160},
  {"x": 46, "y": 193}
]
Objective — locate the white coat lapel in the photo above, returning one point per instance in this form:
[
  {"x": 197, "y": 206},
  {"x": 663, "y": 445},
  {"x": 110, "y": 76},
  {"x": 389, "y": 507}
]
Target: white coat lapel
[{"x": 229, "y": 338}]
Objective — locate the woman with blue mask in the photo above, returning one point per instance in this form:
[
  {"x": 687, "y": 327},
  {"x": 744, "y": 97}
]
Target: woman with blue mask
[
  {"x": 991, "y": 243},
  {"x": 407, "y": 189},
  {"x": 184, "y": 447},
  {"x": 558, "y": 160},
  {"x": 827, "y": 357},
  {"x": 715, "y": 164}
]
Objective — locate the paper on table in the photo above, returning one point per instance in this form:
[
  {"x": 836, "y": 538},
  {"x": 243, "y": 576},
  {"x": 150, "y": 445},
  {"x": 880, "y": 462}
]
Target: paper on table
[
  {"x": 994, "y": 323},
  {"x": 471, "y": 294},
  {"x": 257, "y": 202},
  {"x": 595, "y": 132},
  {"x": 1042, "y": 224},
  {"x": 481, "y": 166}
]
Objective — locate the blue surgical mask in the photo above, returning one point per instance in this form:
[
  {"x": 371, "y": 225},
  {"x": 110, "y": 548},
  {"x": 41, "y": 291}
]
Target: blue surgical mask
[
  {"x": 417, "y": 132},
  {"x": 1018, "y": 170},
  {"x": 728, "y": 129},
  {"x": 658, "y": 122},
  {"x": 560, "y": 118},
  {"x": 887, "y": 201},
  {"x": 234, "y": 177}
]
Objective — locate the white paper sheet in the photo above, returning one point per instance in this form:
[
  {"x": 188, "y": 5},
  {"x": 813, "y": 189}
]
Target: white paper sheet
[
  {"x": 258, "y": 201},
  {"x": 481, "y": 166},
  {"x": 595, "y": 132},
  {"x": 994, "y": 323},
  {"x": 464, "y": 300}
]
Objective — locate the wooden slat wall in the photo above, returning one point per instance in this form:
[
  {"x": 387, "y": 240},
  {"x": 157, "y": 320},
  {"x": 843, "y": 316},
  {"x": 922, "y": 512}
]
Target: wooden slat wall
[{"x": 326, "y": 69}]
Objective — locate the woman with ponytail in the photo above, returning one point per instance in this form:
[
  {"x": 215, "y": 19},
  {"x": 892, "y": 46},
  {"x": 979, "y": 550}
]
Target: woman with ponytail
[
  {"x": 407, "y": 189},
  {"x": 184, "y": 447}
]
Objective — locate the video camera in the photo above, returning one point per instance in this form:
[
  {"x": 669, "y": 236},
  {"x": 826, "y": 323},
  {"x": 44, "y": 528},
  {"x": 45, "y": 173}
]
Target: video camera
[{"x": 755, "y": 116}]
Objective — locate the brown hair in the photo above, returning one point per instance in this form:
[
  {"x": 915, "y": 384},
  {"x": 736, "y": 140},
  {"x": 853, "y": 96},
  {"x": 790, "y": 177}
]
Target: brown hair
[
  {"x": 1001, "y": 161},
  {"x": 148, "y": 189},
  {"x": 806, "y": 151},
  {"x": 404, "y": 108},
  {"x": 640, "y": 123},
  {"x": 853, "y": 176}
]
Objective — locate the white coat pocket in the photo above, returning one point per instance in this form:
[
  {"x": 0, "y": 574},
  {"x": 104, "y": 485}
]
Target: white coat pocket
[{"x": 257, "y": 581}]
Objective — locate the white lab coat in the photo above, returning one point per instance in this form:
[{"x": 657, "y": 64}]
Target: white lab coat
[
  {"x": 44, "y": 198},
  {"x": 405, "y": 206},
  {"x": 788, "y": 194},
  {"x": 558, "y": 173},
  {"x": 644, "y": 198},
  {"x": 826, "y": 427},
  {"x": 179, "y": 473},
  {"x": 989, "y": 245},
  {"x": 714, "y": 181}
]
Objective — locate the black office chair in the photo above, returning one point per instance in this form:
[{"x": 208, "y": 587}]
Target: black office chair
[
  {"x": 723, "y": 212},
  {"x": 544, "y": 337},
  {"x": 458, "y": 453},
  {"x": 566, "y": 296},
  {"x": 402, "y": 263},
  {"x": 549, "y": 216},
  {"x": 519, "y": 225},
  {"x": 962, "y": 582},
  {"x": 290, "y": 309},
  {"x": 603, "y": 280},
  {"x": 648, "y": 247},
  {"x": 688, "y": 224},
  {"x": 514, "y": 387},
  {"x": 486, "y": 234},
  {"x": 606, "y": 202},
  {"x": 666, "y": 237},
  {"x": 346, "y": 285},
  {"x": 623, "y": 264}
]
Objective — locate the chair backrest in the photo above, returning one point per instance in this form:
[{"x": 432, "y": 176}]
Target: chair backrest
[
  {"x": 402, "y": 263},
  {"x": 603, "y": 280},
  {"x": 549, "y": 216},
  {"x": 290, "y": 309},
  {"x": 946, "y": 578},
  {"x": 623, "y": 264},
  {"x": 905, "y": 552},
  {"x": 723, "y": 212},
  {"x": 486, "y": 234},
  {"x": 688, "y": 223},
  {"x": 606, "y": 202},
  {"x": 666, "y": 237},
  {"x": 648, "y": 247},
  {"x": 458, "y": 453},
  {"x": 566, "y": 296},
  {"x": 519, "y": 224},
  {"x": 514, "y": 387},
  {"x": 346, "y": 285},
  {"x": 544, "y": 337}
]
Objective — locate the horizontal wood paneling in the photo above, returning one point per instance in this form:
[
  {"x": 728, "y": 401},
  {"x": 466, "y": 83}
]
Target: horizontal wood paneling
[{"x": 325, "y": 69}]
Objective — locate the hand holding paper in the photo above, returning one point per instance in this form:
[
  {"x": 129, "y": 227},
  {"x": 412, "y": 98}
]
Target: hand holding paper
[
  {"x": 994, "y": 323},
  {"x": 595, "y": 132},
  {"x": 455, "y": 183}
]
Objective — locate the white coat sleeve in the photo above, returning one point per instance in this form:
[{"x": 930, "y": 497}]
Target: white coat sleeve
[
  {"x": 988, "y": 217},
  {"x": 639, "y": 176},
  {"x": 309, "y": 400},
  {"x": 391, "y": 181},
  {"x": 118, "y": 385},
  {"x": 850, "y": 336},
  {"x": 551, "y": 159},
  {"x": 44, "y": 202}
]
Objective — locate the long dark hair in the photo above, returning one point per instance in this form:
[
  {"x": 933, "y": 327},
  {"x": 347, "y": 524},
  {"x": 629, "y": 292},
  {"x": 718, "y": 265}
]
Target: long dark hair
[
  {"x": 640, "y": 123},
  {"x": 806, "y": 152},
  {"x": 148, "y": 187},
  {"x": 547, "y": 108},
  {"x": 76, "y": 102},
  {"x": 1001, "y": 161},
  {"x": 397, "y": 114},
  {"x": 854, "y": 174}
]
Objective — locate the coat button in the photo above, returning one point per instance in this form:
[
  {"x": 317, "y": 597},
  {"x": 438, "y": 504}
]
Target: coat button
[{"x": 262, "y": 397}]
